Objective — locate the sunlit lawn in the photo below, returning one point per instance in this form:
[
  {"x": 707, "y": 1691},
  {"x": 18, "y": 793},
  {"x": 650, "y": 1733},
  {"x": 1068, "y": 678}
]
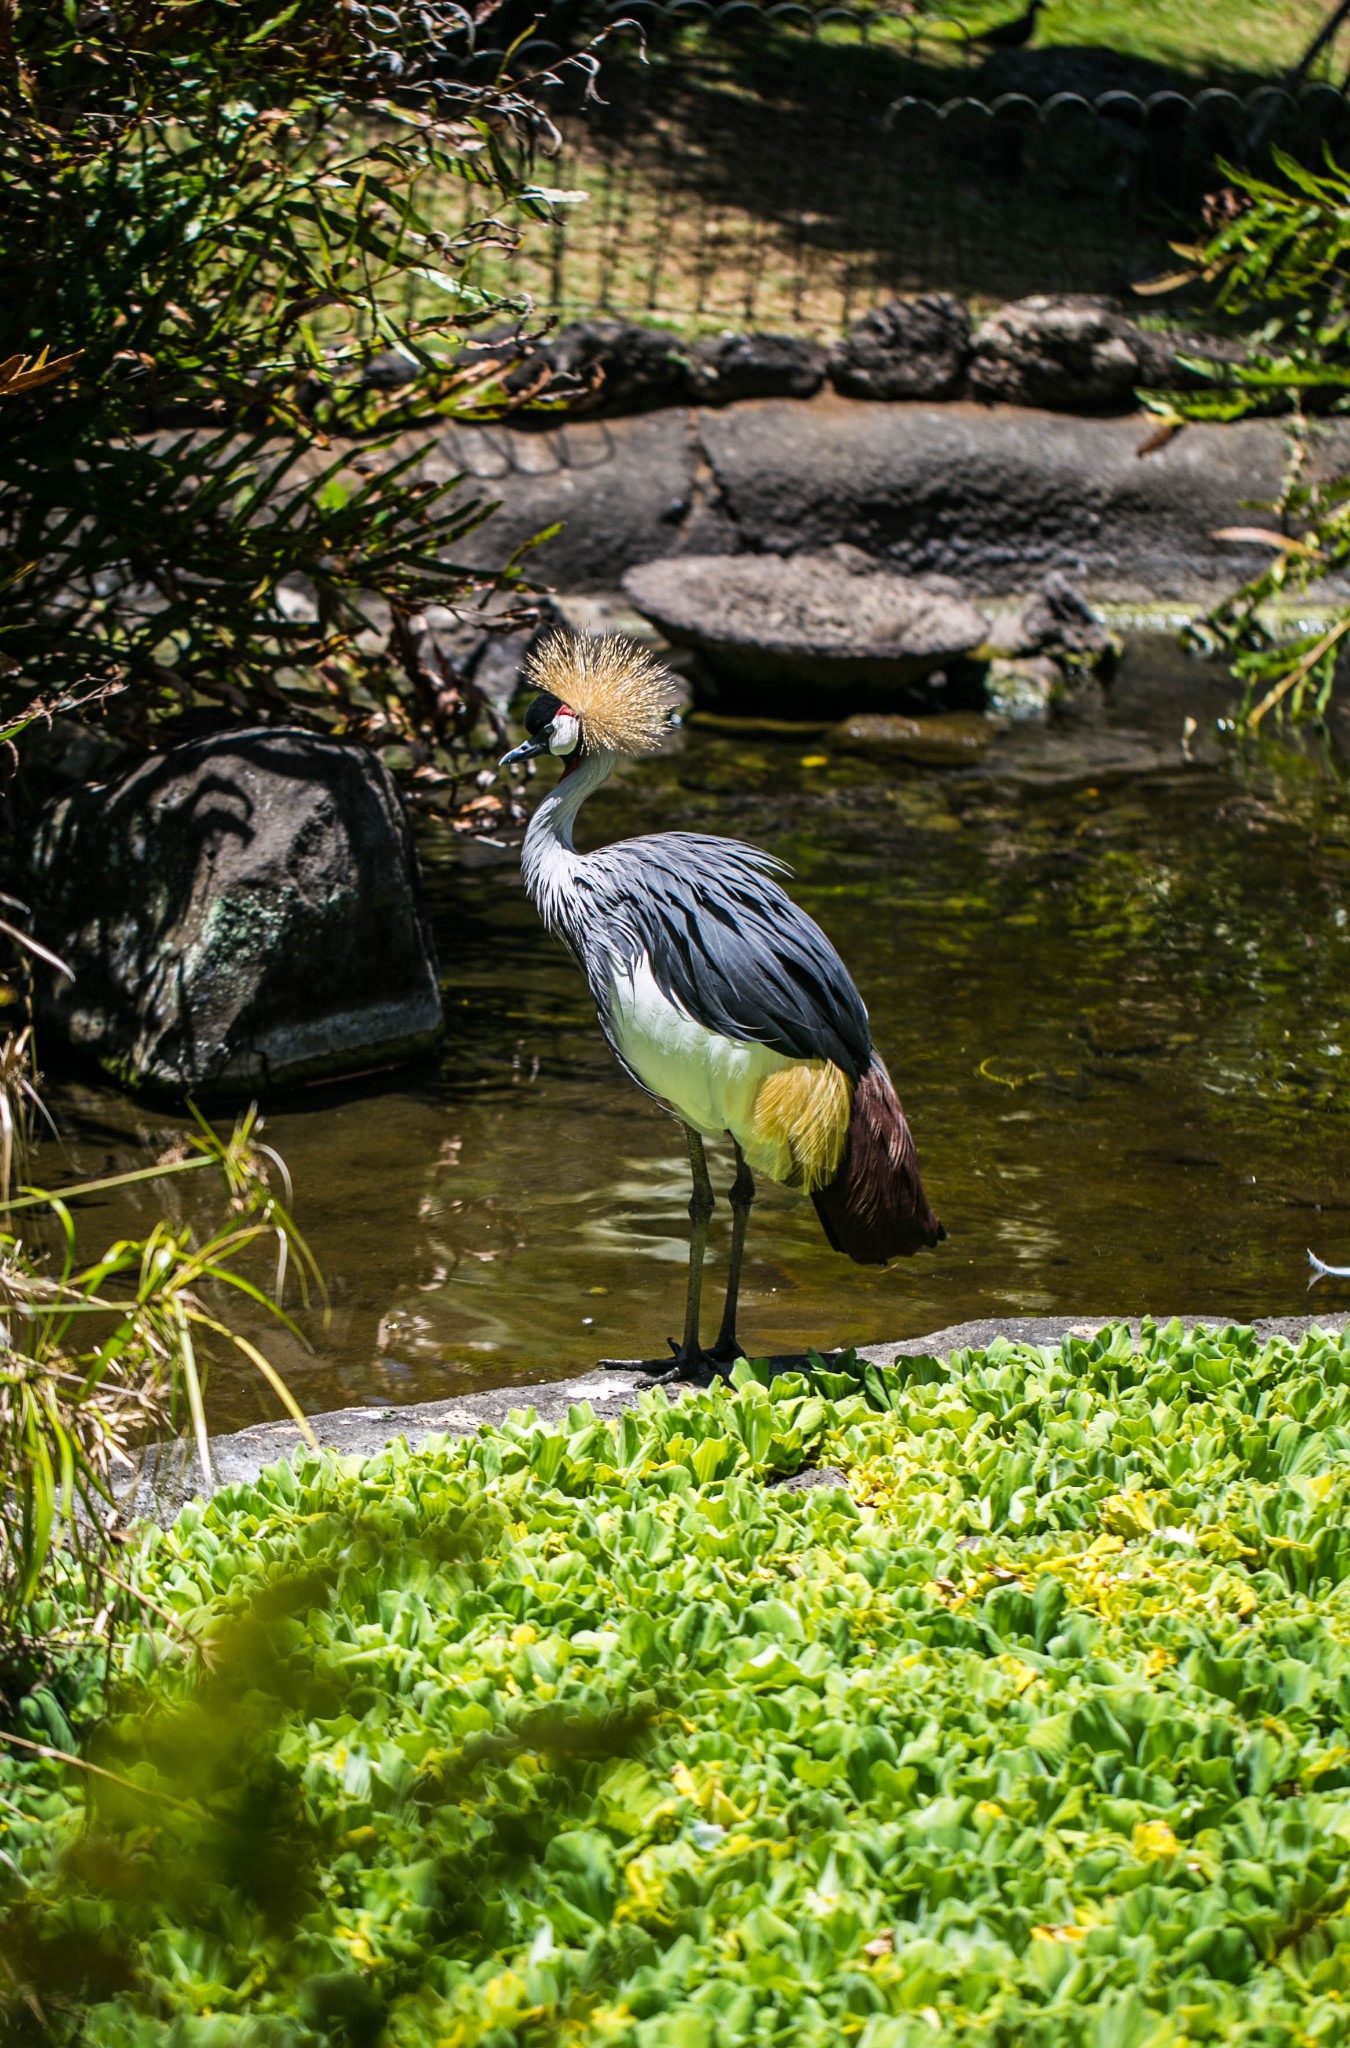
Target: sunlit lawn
[
  {"x": 779, "y": 182},
  {"x": 1204, "y": 37}
]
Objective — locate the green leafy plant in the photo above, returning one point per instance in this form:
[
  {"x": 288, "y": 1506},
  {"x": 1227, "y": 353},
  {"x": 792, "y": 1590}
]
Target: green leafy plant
[
  {"x": 215, "y": 220},
  {"x": 97, "y": 1356},
  {"x": 1024, "y": 1722},
  {"x": 1283, "y": 247}
]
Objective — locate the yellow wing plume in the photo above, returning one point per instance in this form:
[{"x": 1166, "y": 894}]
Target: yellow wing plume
[{"x": 800, "y": 1122}]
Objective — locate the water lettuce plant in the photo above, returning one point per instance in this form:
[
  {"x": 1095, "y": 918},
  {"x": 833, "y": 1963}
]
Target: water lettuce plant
[{"x": 1023, "y": 1722}]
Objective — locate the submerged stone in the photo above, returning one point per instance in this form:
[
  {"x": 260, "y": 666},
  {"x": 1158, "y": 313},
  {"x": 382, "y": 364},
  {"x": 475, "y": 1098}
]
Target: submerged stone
[
  {"x": 240, "y": 913},
  {"x": 1020, "y": 689},
  {"x": 942, "y": 739}
]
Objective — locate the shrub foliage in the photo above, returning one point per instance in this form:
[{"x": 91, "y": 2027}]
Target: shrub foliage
[
  {"x": 1280, "y": 247},
  {"x": 213, "y": 222},
  {"x": 1027, "y": 1726}
]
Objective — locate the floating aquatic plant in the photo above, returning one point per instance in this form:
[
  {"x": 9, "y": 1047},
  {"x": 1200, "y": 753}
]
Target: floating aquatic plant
[{"x": 1026, "y": 1724}]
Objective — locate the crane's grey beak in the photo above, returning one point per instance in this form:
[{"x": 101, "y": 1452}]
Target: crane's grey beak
[{"x": 538, "y": 745}]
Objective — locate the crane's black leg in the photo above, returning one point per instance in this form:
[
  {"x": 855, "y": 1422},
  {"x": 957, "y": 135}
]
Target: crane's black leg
[
  {"x": 690, "y": 1360},
  {"x": 701, "y": 1203},
  {"x": 728, "y": 1346}
]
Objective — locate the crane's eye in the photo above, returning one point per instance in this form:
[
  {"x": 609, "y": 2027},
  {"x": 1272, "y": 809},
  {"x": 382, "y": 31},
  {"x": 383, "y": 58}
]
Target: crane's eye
[
  {"x": 541, "y": 713},
  {"x": 565, "y": 732}
]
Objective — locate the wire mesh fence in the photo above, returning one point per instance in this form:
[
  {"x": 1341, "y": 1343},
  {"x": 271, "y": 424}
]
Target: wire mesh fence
[{"x": 784, "y": 170}]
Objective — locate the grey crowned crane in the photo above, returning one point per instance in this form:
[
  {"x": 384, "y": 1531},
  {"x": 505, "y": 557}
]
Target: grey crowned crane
[{"x": 717, "y": 994}]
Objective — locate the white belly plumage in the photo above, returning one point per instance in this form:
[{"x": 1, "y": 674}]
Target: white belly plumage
[{"x": 709, "y": 1081}]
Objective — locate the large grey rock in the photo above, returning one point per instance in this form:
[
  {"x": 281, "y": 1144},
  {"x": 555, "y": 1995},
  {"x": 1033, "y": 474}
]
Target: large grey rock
[
  {"x": 911, "y": 348},
  {"x": 241, "y": 913},
  {"x": 999, "y": 497},
  {"x": 828, "y": 625},
  {"x": 624, "y": 490},
  {"x": 1069, "y": 354},
  {"x": 995, "y": 496}
]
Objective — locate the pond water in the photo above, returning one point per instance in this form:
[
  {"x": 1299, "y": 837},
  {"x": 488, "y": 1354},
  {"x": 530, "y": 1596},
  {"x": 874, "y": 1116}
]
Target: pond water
[{"x": 1112, "y": 983}]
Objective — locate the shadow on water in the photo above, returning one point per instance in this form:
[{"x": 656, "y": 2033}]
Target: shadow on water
[{"x": 1113, "y": 985}]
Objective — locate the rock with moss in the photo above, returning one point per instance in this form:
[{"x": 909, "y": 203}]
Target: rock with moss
[
  {"x": 1056, "y": 623},
  {"x": 240, "y": 913},
  {"x": 1023, "y": 689},
  {"x": 1069, "y": 354},
  {"x": 937, "y": 740}
]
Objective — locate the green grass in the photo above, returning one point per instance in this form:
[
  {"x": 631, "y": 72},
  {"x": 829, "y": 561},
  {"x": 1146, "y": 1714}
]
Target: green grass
[
  {"x": 1208, "y": 40},
  {"x": 759, "y": 181},
  {"x": 1032, "y": 1731}
]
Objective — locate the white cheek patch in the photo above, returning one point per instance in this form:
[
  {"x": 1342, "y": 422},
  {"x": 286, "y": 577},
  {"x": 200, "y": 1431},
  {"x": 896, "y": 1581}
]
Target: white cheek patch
[{"x": 565, "y": 734}]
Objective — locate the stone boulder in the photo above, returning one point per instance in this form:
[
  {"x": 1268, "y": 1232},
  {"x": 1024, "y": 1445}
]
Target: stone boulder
[
  {"x": 393, "y": 369},
  {"x": 1068, "y": 355},
  {"x": 911, "y": 348},
  {"x": 596, "y": 366},
  {"x": 993, "y": 496},
  {"x": 241, "y": 913},
  {"x": 1058, "y": 621},
  {"x": 780, "y": 632},
  {"x": 733, "y": 366},
  {"x": 617, "y": 366}
]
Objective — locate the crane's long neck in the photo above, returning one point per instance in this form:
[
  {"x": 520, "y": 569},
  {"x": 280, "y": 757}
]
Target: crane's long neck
[{"x": 549, "y": 858}]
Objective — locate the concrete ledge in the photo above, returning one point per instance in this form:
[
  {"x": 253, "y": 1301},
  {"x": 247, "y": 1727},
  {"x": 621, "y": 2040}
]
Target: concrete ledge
[{"x": 169, "y": 1474}]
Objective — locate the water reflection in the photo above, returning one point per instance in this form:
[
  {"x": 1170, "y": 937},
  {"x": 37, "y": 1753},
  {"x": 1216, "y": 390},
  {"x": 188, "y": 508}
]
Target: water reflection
[{"x": 1118, "y": 1012}]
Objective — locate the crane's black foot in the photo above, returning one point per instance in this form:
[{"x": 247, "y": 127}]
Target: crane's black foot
[
  {"x": 701, "y": 1367},
  {"x": 698, "y": 1368}
]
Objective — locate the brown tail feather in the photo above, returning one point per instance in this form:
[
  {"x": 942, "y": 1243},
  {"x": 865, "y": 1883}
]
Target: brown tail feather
[{"x": 875, "y": 1208}]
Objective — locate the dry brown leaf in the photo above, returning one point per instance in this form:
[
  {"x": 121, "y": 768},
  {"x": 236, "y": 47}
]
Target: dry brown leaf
[
  {"x": 1265, "y": 536},
  {"x": 1164, "y": 432}
]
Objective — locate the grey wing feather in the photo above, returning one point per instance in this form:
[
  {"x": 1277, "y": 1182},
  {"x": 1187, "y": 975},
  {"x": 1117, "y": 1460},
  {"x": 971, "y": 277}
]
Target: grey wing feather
[{"x": 726, "y": 943}]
